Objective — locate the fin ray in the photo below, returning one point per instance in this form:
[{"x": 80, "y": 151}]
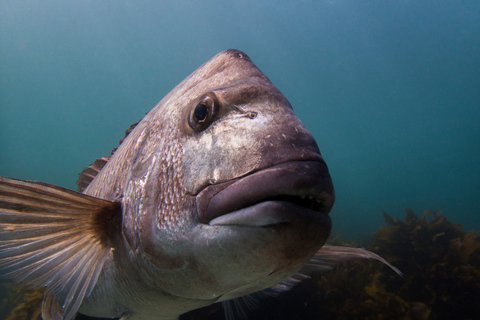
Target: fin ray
[
  {"x": 328, "y": 256},
  {"x": 55, "y": 238}
]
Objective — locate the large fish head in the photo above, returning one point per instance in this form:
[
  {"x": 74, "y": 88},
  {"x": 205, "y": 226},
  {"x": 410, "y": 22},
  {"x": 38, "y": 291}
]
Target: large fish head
[{"x": 228, "y": 193}]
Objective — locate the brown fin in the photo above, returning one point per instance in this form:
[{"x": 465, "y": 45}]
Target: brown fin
[
  {"x": 127, "y": 132},
  {"x": 325, "y": 259},
  {"x": 89, "y": 173},
  {"x": 329, "y": 256},
  {"x": 55, "y": 238}
]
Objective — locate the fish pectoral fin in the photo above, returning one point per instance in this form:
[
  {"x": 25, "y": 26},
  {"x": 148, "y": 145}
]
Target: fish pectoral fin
[
  {"x": 55, "y": 238},
  {"x": 329, "y": 256}
]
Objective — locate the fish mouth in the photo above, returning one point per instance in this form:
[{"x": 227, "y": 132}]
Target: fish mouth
[{"x": 279, "y": 194}]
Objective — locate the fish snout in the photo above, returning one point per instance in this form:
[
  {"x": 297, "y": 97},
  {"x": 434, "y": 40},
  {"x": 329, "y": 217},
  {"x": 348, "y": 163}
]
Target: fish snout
[{"x": 263, "y": 197}]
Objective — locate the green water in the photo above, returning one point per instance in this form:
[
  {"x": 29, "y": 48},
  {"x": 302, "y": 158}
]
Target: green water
[{"x": 390, "y": 89}]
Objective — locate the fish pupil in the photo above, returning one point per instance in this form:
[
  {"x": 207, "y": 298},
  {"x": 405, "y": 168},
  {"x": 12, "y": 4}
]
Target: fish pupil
[{"x": 201, "y": 112}]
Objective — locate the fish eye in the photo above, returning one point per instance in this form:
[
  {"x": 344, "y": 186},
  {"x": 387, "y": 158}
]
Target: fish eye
[{"x": 203, "y": 112}]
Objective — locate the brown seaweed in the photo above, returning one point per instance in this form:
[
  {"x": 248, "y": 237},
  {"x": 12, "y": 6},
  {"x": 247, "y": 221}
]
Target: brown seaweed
[
  {"x": 441, "y": 266},
  {"x": 20, "y": 303},
  {"x": 440, "y": 262}
]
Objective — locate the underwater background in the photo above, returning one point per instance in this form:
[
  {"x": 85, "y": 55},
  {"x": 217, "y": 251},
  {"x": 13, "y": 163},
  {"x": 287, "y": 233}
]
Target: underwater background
[{"x": 389, "y": 89}]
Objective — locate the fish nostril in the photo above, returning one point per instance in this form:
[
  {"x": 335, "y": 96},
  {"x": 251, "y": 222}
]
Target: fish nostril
[{"x": 252, "y": 115}]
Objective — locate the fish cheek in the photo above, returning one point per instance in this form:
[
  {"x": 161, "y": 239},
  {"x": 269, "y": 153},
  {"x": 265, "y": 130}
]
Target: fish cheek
[
  {"x": 223, "y": 152},
  {"x": 154, "y": 208},
  {"x": 155, "y": 249}
]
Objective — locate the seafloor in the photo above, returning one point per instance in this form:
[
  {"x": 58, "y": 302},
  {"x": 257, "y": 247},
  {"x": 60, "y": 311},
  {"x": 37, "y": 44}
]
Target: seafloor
[{"x": 440, "y": 262}]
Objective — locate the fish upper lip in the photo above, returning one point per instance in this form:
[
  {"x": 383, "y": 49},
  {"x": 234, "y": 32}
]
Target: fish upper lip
[{"x": 303, "y": 183}]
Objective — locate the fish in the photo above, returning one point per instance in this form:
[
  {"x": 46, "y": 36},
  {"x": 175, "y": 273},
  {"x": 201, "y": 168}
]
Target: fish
[{"x": 218, "y": 192}]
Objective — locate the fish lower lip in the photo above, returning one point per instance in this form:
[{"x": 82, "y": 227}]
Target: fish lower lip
[
  {"x": 268, "y": 213},
  {"x": 303, "y": 184}
]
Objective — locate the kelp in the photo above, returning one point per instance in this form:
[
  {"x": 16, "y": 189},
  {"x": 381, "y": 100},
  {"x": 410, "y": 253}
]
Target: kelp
[
  {"x": 441, "y": 263},
  {"x": 441, "y": 267},
  {"x": 20, "y": 303}
]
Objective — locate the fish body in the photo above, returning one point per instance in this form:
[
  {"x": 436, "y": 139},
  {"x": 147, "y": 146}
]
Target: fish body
[{"x": 218, "y": 192}]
